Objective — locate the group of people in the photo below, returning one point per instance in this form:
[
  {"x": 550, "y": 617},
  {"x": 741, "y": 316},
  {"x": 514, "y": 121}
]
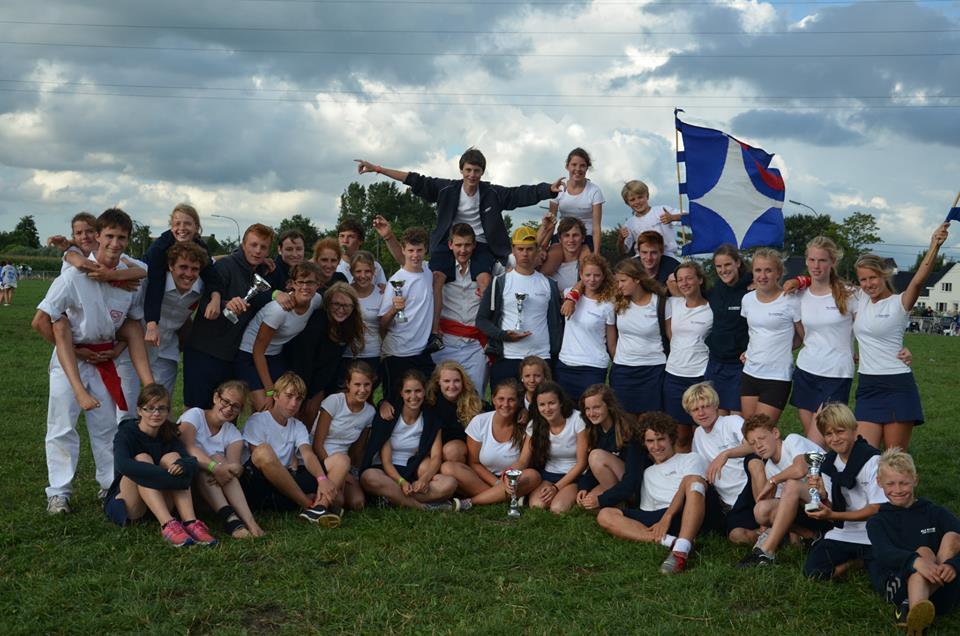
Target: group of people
[{"x": 633, "y": 391}]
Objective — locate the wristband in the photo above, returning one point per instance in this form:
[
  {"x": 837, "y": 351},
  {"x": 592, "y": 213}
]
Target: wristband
[
  {"x": 573, "y": 295},
  {"x": 804, "y": 282},
  {"x": 270, "y": 393},
  {"x": 213, "y": 464},
  {"x": 400, "y": 481},
  {"x": 273, "y": 296},
  {"x": 321, "y": 478}
]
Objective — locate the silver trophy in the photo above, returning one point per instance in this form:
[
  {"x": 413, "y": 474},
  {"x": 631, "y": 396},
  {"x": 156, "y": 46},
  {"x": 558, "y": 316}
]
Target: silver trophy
[
  {"x": 520, "y": 298},
  {"x": 398, "y": 291},
  {"x": 814, "y": 461},
  {"x": 259, "y": 285},
  {"x": 513, "y": 476}
]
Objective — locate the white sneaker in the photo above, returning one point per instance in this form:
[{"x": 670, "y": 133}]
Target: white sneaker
[{"x": 58, "y": 504}]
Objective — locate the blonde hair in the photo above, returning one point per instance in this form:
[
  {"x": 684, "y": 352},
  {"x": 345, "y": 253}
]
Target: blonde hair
[
  {"x": 840, "y": 289},
  {"x": 836, "y": 416},
  {"x": 700, "y": 392},
  {"x": 876, "y": 264},
  {"x": 771, "y": 255},
  {"x": 608, "y": 286},
  {"x": 235, "y": 385},
  {"x": 636, "y": 187},
  {"x": 189, "y": 210},
  {"x": 468, "y": 402},
  {"x": 897, "y": 460},
  {"x": 632, "y": 268},
  {"x": 291, "y": 380}
]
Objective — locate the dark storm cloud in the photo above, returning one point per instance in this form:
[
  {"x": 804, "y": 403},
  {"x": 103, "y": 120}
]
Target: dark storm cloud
[{"x": 814, "y": 128}]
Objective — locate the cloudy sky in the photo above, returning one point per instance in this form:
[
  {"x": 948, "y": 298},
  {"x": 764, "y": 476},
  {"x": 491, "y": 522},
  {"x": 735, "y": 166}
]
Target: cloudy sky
[{"x": 255, "y": 109}]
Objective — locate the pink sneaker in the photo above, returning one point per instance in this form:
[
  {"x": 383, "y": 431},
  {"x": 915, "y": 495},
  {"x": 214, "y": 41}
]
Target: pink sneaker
[
  {"x": 200, "y": 533},
  {"x": 174, "y": 534}
]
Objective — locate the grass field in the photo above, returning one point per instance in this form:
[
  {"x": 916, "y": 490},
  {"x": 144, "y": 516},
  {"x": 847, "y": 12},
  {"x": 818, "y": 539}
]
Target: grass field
[{"x": 393, "y": 571}]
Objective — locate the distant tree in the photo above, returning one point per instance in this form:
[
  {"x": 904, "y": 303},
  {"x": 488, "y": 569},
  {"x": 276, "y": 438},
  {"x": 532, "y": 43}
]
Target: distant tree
[
  {"x": 26, "y": 232},
  {"x": 139, "y": 240},
  {"x": 852, "y": 236},
  {"x": 306, "y": 227},
  {"x": 938, "y": 263},
  {"x": 228, "y": 245},
  {"x": 508, "y": 222},
  {"x": 857, "y": 231},
  {"x": 800, "y": 228},
  {"x": 213, "y": 246}
]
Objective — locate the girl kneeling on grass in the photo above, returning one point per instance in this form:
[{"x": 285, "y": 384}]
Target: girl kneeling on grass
[
  {"x": 403, "y": 457},
  {"x": 211, "y": 437},
  {"x": 557, "y": 438},
  {"x": 153, "y": 473},
  {"x": 495, "y": 443},
  {"x": 340, "y": 435}
]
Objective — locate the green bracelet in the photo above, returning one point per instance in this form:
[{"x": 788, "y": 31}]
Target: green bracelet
[
  {"x": 400, "y": 481},
  {"x": 213, "y": 464},
  {"x": 270, "y": 393}
]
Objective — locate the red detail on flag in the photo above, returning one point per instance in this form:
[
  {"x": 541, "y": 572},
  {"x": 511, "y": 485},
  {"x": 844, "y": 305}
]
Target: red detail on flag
[{"x": 769, "y": 178}]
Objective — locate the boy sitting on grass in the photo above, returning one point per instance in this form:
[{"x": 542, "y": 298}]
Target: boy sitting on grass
[
  {"x": 785, "y": 492},
  {"x": 271, "y": 478},
  {"x": 671, "y": 496},
  {"x": 849, "y": 495},
  {"x": 915, "y": 543}
]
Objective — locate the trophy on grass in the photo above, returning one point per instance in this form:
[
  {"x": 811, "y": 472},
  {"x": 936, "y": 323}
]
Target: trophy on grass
[
  {"x": 398, "y": 291},
  {"x": 513, "y": 476},
  {"x": 520, "y": 298},
  {"x": 259, "y": 285},
  {"x": 814, "y": 461}
]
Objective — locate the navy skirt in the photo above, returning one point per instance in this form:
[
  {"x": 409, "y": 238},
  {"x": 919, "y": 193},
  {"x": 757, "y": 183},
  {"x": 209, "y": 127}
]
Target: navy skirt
[
  {"x": 673, "y": 388},
  {"x": 639, "y": 389},
  {"x": 882, "y": 399},
  {"x": 725, "y": 377},
  {"x": 553, "y": 478},
  {"x": 246, "y": 371},
  {"x": 810, "y": 391},
  {"x": 576, "y": 379}
]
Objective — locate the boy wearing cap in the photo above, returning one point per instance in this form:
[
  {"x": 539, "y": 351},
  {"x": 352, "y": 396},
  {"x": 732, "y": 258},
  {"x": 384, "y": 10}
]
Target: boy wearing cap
[
  {"x": 520, "y": 312},
  {"x": 480, "y": 204}
]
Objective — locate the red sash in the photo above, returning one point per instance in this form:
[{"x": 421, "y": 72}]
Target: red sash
[
  {"x": 108, "y": 373},
  {"x": 455, "y": 328}
]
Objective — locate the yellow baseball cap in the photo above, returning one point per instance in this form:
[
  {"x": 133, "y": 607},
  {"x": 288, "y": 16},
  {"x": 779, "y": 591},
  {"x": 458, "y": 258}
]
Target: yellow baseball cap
[{"x": 524, "y": 235}]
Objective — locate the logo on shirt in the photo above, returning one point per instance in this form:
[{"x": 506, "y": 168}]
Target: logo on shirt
[
  {"x": 116, "y": 316},
  {"x": 733, "y": 308},
  {"x": 928, "y": 530}
]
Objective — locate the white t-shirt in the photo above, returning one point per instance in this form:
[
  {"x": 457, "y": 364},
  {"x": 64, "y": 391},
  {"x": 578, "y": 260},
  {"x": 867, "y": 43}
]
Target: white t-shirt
[
  {"x": 689, "y": 328},
  {"x": 210, "y": 444},
  {"x": 661, "y": 481},
  {"x": 409, "y": 338},
  {"x": 174, "y": 311},
  {"x": 567, "y": 274},
  {"x": 468, "y": 211},
  {"x": 827, "y": 336},
  {"x": 725, "y": 434},
  {"x": 286, "y": 325},
  {"x": 379, "y": 278},
  {"x": 495, "y": 455},
  {"x": 791, "y": 446},
  {"x": 563, "y": 445},
  {"x": 879, "y": 330},
  {"x": 771, "y": 329},
  {"x": 637, "y": 225},
  {"x": 580, "y": 206},
  {"x": 370, "y": 310},
  {"x": 405, "y": 440},
  {"x": 285, "y": 440},
  {"x": 460, "y": 299},
  {"x": 535, "y": 308},
  {"x": 638, "y": 336},
  {"x": 585, "y": 335},
  {"x": 345, "y": 425},
  {"x": 866, "y": 492},
  {"x": 95, "y": 310}
]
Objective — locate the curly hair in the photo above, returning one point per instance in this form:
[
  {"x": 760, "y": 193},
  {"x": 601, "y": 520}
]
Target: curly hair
[
  {"x": 468, "y": 402},
  {"x": 607, "y": 292},
  {"x": 540, "y": 437},
  {"x": 658, "y": 422}
]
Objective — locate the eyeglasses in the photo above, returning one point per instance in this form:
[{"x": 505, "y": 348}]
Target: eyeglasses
[
  {"x": 342, "y": 306},
  {"x": 155, "y": 410},
  {"x": 306, "y": 283},
  {"x": 227, "y": 404}
]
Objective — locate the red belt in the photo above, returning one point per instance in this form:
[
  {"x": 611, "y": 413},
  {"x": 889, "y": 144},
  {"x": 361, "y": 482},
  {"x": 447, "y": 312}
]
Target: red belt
[
  {"x": 455, "y": 328},
  {"x": 108, "y": 373}
]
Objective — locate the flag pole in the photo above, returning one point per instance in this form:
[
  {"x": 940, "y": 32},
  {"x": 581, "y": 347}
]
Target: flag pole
[{"x": 676, "y": 138}]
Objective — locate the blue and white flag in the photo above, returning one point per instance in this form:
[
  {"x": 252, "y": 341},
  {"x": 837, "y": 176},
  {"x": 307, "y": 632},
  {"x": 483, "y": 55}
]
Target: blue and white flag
[
  {"x": 953, "y": 214},
  {"x": 734, "y": 196}
]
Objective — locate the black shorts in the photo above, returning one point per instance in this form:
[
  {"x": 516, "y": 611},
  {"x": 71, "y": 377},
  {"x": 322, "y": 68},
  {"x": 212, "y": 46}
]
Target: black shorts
[
  {"x": 262, "y": 495},
  {"x": 725, "y": 519},
  {"x": 651, "y": 517},
  {"x": 773, "y": 393},
  {"x": 827, "y": 554}
]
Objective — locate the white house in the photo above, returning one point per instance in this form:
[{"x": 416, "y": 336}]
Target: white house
[{"x": 943, "y": 293}]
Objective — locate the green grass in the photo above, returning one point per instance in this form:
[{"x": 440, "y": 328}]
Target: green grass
[{"x": 394, "y": 571}]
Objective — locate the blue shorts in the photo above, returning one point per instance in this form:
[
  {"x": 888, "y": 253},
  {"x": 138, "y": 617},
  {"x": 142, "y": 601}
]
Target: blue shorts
[
  {"x": 810, "y": 391},
  {"x": 720, "y": 518},
  {"x": 638, "y": 389},
  {"x": 725, "y": 377},
  {"x": 827, "y": 554},
  {"x": 673, "y": 388},
  {"x": 246, "y": 371},
  {"x": 882, "y": 399},
  {"x": 482, "y": 261},
  {"x": 576, "y": 379},
  {"x": 651, "y": 517},
  {"x": 551, "y": 477}
]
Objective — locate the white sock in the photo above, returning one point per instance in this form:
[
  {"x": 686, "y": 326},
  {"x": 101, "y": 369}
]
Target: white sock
[
  {"x": 682, "y": 546},
  {"x": 667, "y": 540}
]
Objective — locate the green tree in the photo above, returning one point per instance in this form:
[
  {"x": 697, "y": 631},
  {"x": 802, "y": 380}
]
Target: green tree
[
  {"x": 800, "y": 228},
  {"x": 139, "y": 239},
  {"x": 857, "y": 232},
  {"x": 26, "y": 232},
  {"x": 938, "y": 263},
  {"x": 305, "y": 226},
  {"x": 213, "y": 246}
]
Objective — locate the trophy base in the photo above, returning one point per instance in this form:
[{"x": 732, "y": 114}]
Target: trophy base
[
  {"x": 229, "y": 315},
  {"x": 812, "y": 507},
  {"x": 513, "y": 513}
]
